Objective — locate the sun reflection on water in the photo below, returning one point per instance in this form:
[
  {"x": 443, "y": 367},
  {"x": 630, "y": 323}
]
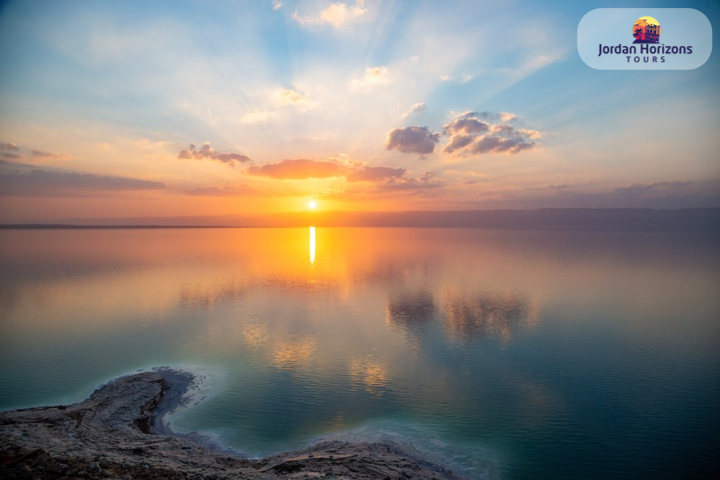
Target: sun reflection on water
[{"x": 312, "y": 246}]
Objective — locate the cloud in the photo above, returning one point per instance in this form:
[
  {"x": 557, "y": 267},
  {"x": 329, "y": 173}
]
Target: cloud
[
  {"x": 373, "y": 76},
  {"x": 276, "y": 4},
  {"x": 336, "y": 15},
  {"x": 224, "y": 191},
  {"x": 654, "y": 189},
  {"x": 374, "y": 174},
  {"x": 465, "y": 78},
  {"x": 672, "y": 194},
  {"x": 11, "y": 156},
  {"x": 37, "y": 182},
  {"x": 495, "y": 117},
  {"x": 10, "y": 151},
  {"x": 474, "y": 133},
  {"x": 426, "y": 182},
  {"x": 41, "y": 154},
  {"x": 415, "y": 108},
  {"x": 293, "y": 98},
  {"x": 258, "y": 116},
  {"x": 206, "y": 151},
  {"x": 412, "y": 140},
  {"x": 299, "y": 169},
  {"x": 302, "y": 169}
]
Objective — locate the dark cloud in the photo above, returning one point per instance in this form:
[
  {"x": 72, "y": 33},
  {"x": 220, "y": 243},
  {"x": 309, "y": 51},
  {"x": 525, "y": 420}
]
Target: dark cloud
[
  {"x": 38, "y": 182},
  {"x": 299, "y": 169},
  {"x": 374, "y": 174},
  {"x": 475, "y": 133},
  {"x": 207, "y": 152},
  {"x": 10, "y": 151},
  {"x": 41, "y": 154},
  {"x": 467, "y": 126},
  {"x": 11, "y": 156},
  {"x": 412, "y": 140}
]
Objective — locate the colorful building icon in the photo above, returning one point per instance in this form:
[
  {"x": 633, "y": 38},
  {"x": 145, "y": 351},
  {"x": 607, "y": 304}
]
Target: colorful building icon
[{"x": 646, "y": 30}]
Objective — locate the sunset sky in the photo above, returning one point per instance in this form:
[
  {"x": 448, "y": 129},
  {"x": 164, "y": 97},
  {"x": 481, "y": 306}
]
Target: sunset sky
[{"x": 126, "y": 109}]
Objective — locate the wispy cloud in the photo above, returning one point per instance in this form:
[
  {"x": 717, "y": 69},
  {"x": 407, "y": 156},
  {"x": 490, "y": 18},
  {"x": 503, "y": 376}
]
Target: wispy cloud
[
  {"x": 293, "y": 98},
  {"x": 422, "y": 184},
  {"x": 59, "y": 156},
  {"x": 223, "y": 191},
  {"x": 8, "y": 147},
  {"x": 40, "y": 183},
  {"x": 297, "y": 169},
  {"x": 303, "y": 169},
  {"x": 373, "y": 76},
  {"x": 207, "y": 152},
  {"x": 9, "y": 151},
  {"x": 335, "y": 15},
  {"x": 378, "y": 173},
  {"x": 415, "y": 108}
]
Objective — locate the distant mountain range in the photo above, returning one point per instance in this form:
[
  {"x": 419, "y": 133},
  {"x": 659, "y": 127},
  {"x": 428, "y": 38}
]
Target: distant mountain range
[{"x": 695, "y": 219}]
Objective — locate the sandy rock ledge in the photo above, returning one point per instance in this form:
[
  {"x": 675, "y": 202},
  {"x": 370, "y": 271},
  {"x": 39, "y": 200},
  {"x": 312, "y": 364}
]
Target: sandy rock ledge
[{"x": 118, "y": 433}]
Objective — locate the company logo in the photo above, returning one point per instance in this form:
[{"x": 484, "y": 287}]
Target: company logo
[
  {"x": 646, "y": 30},
  {"x": 604, "y": 43}
]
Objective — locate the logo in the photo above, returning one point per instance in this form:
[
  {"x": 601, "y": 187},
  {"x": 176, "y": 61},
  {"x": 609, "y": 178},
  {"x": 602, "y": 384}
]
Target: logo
[
  {"x": 604, "y": 43},
  {"x": 646, "y": 30}
]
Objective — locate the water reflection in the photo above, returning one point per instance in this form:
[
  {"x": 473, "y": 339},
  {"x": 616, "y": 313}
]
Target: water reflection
[
  {"x": 256, "y": 335},
  {"x": 387, "y": 324},
  {"x": 411, "y": 310},
  {"x": 208, "y": 295},
  {"x": 469, "y": 316},
  {"x": 371, "y": 373},
  {"x": 295, "y": 352},
  {"x": 312, "y": 246}
]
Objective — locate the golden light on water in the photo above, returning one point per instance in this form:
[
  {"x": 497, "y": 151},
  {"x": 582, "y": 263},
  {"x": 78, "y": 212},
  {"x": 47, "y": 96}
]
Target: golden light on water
[{"x": 312, "y": 245}]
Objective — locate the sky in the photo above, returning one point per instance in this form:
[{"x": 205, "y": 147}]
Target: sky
[{"x": 172, "y": 108}]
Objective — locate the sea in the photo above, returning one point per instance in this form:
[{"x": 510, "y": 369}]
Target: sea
[{"x": 506, "y": 354}]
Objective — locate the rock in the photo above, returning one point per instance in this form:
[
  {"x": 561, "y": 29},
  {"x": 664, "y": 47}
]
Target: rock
[{"x": 116, "y": 434}]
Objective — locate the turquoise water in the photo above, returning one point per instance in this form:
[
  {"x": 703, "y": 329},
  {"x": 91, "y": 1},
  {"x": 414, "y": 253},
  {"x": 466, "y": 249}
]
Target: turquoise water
[{"x": 512, "y": 354}]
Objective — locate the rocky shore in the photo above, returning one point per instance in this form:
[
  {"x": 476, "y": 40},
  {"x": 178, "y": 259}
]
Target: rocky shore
[{"x": 119, "y": 433}]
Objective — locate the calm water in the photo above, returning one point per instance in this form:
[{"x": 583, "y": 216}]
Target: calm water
[{"x": 515, "y": 354}]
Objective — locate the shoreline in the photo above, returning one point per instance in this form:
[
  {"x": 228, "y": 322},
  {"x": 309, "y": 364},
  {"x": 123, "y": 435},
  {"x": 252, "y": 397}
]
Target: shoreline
[{"x": 120, "y": 432}]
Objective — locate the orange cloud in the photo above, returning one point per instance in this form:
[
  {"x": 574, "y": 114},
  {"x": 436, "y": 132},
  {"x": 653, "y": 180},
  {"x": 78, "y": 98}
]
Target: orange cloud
[{"x": 299, "y": 169}]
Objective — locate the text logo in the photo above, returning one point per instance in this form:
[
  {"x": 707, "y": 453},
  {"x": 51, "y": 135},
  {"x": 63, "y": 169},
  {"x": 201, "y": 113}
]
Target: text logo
[{"x": 683, "y": 43}]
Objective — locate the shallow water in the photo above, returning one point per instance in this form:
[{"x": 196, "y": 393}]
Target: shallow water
[{"x": 515, "y": 354}]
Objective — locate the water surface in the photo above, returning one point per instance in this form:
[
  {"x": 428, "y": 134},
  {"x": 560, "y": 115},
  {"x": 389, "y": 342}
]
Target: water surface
[{"x": 514, "y": 354}]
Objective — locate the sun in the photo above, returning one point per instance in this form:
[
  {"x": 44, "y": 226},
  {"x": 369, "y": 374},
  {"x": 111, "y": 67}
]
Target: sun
[{"x": 312, "y": 204}]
